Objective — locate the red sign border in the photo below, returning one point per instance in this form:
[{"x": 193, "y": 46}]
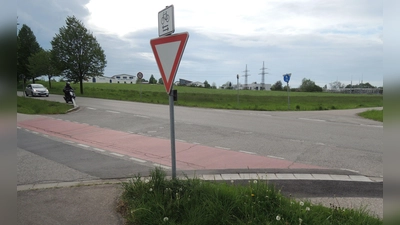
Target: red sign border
[{"x": 182, "y": 37}]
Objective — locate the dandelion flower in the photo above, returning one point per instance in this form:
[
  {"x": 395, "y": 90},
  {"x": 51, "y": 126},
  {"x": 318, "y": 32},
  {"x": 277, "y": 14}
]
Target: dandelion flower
[
  {"x": 301, "y": 203},
  {"x": 165, "y": 219},
  {"x": 307, "y": 208},
  {"x": 278, "y": 217},
  {"x": 255, "y": 181}
]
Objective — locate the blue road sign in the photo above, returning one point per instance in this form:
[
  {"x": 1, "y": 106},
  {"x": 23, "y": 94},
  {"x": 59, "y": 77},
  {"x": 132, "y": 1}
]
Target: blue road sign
[{"x": 286, "y": 77}]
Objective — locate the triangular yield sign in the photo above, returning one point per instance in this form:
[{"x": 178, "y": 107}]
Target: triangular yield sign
[{"x": 168, "y": 52}]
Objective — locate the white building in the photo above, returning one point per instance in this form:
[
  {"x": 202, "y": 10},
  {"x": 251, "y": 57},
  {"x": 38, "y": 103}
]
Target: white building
[{"x": 119, "y": 78}]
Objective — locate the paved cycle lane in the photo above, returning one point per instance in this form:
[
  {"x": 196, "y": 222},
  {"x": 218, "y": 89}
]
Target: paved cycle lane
[{"x": 189, "y": 156}]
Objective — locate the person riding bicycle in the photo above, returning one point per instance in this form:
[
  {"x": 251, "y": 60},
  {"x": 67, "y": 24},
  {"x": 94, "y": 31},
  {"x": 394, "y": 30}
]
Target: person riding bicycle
[{"x": 66, "y": 90}]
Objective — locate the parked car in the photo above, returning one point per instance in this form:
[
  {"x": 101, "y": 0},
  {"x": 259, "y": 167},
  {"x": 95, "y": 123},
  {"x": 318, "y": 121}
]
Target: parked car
[{"x": 36, "y": 90}]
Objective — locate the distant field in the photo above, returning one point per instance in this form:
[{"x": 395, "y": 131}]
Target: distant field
[{"x": 225, "y": 99}]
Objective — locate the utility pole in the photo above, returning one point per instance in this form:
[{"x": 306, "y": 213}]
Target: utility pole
[
  {"x": 237, "y": 86},
  {"x": 245, "y": 78},
  {"x": 263, "y": 73}
]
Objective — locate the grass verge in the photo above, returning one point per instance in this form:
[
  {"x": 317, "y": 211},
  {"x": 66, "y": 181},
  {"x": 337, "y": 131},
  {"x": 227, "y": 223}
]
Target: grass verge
[
  {"x": 27, "y": 105},
  {"x": 192, "y": 201},
  {"x": 224, "y": 99},
  {"x": 373, "y": 115}
]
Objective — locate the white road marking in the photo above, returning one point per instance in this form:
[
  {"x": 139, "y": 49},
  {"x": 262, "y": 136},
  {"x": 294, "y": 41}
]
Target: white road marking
[
  {"x": 27, "y": 130},
  {"x": 317, "y": 120},
  {"x": 252, "y": 153},
  {"x": 275, "y": 157},
  {"x": 142, "y": 116},
  {"x": 181, "y": 140},
  {"x": 45, "y": 135},
  {"x": 355, "y": 171},
  {"x": 82, "y": 145},
  {"x": 18, "y": 127},
  {"x": 222, "y": 148},
  {"x": 138, "y": 160},
  {"x": 162, "y": 166},
  {"x": 98, "y": 149},
  {"x": 116, "y": 154},
  {"x": 34, "y": 132},
  {"x": 91, "y": 108},
  {"x": 71, "y": 142},
  {"x": 112, "y": 111},
  {"x": 378, "y": 126}
]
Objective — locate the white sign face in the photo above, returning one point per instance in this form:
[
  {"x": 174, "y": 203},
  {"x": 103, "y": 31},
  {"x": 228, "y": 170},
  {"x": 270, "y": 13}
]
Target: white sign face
[{"x": 166, "y": 23}]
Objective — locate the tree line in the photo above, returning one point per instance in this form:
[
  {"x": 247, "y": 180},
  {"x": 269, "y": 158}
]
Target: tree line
[
  {"x": 308, "y": 85},
  {"x": 76, "y": 55}
]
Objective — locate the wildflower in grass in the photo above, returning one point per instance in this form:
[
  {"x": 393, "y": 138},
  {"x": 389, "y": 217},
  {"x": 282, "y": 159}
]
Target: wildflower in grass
[
  {"x": 180, "y": 189},
  {"x": 165, "y": 219},
  {"x": 307, "y": 208},
  {"x": 232, "y": 181},
  {"x": 252, "y": 195},
  {"x": 255, "y": 181},
  {"x": 301, "y": 203},
  {"x": 151, "y": 189},
  {"x": 291, "y": 203},
  {"x": 300, "y": 221},
  {"x": 278, "y": 217}
]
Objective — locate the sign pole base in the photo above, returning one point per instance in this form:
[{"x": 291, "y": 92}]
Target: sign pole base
[{"x": 172, "y": 130}]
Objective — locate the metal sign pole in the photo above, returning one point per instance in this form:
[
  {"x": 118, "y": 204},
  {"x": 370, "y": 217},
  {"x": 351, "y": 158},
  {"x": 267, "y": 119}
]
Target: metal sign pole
[
  {"x": 237, "y": 86},
  {"x": 172, "y": 131},
  {"x": 288, "y": 99}
]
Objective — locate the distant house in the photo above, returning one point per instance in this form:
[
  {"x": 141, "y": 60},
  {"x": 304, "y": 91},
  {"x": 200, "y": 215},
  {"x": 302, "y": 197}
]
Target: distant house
[
  {"x": 252, "y": 86},
  {"x": 184, "y": 82},
  {"x": 119, "y": 78}
]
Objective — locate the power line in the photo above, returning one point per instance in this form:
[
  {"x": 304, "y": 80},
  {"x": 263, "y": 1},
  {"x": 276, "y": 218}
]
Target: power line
[
  {"x": 245, "y": 78},
  {"x": 263, "y": 73}
]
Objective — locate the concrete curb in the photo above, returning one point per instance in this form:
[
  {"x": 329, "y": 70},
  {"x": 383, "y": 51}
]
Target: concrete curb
[
  {"x": 73, "y": 109},
  {"x": 211, "y": 177}
]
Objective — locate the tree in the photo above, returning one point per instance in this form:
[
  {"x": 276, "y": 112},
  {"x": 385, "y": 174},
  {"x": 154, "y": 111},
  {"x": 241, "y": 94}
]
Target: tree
[
  {"x": 152, "y": 80},
  {"x": 26, "y": 47},
  {"x": 277, "y": 86},
  {"x": 41, "y": 64},
  {"x": 206, "y": 84},
  {"x": 308, "y": 85},
  {"x": 77, "y": 52},
  {"x": 160, "y": 81},
  {"x": 336, "y": 85},
  {"x": 214, "y": 85}
]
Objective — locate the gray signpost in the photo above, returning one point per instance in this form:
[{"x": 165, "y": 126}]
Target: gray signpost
[
  {"x": 286, "y": 78},
  {"x": 168, "y": 50},
  {"x": 139, "y": 77}
]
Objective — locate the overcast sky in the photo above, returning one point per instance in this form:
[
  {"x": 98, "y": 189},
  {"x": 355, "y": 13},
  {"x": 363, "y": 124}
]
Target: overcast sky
[{"x": 324, "y": 40}]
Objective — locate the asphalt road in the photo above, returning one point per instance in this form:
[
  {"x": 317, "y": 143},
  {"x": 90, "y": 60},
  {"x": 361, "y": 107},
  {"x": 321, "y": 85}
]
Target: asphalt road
[{"x": 336, "y": 139}]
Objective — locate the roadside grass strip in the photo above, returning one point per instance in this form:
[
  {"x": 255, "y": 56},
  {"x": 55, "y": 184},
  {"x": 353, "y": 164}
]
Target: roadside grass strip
[{"x": 158, "y": 200}]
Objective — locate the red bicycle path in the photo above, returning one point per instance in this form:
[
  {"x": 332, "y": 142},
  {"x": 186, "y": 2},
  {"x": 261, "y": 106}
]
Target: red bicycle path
[{"x": 189, "y": 156}]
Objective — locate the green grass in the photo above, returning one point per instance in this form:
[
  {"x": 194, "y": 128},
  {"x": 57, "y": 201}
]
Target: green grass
[
  {"x": 224, "y": 99},
  {"x": 192, "y": 201},
  {"x": 28, "y": 105},
  {"x": 373, "y": 115}
]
